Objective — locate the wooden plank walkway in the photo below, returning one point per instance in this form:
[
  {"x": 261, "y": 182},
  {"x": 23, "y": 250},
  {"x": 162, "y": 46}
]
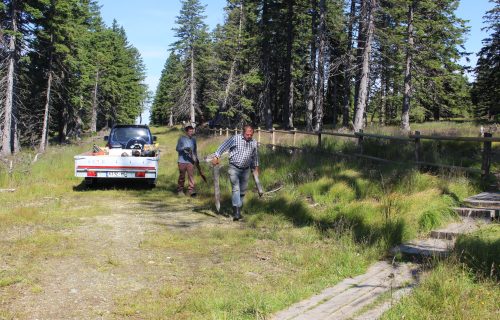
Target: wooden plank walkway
[
  {"x": 346, "y": 299},
  {"x": 486, "y": 200},
  {"x": 362, "y": 297}
]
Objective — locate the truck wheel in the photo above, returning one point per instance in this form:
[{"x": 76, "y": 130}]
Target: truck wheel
[{"x": 151, "y": 183}]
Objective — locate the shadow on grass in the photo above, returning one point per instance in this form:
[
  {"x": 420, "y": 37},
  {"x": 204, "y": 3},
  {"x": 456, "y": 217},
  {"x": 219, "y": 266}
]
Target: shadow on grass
[
  {"x": 480, "y": 254},
  {"x": 390, "y": 233},
  {"x": 296, "y": 168}
]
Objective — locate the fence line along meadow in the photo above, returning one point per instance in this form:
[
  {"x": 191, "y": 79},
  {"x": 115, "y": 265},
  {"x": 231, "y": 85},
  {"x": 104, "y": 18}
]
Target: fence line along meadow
[{"x": 416, "y": 138}]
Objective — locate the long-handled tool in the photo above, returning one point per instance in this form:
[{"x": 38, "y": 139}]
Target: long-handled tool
[
  {"x": 255, "y": 176},
  {"x": 197, "y": 164},
  {"x": 216, "y": 171}
]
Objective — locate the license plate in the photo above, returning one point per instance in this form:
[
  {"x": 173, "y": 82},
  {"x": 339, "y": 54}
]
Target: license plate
[{"x": 114, "y": 174}]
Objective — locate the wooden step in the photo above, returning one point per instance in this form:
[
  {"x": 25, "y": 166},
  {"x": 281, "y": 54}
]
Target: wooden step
[
  {"x": 426, "y": 248},
  {"x": 453, "y": 230},
  {"x": 476, "y": 212},
  {"x": 486, "y": 200}
]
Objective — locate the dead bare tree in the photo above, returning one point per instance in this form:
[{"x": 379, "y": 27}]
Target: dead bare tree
[
  {"x": 9, "y": 121},
  {"x": 347, "y": 79},
  {"x": 311, "y": 93},
  {"x": 43, "y": 140},
  {"x": 405, "y": 113},
  {"x": 320, "y": 92},
  {"x": 365, "y": 69},
  {"x": 231, "y": 76},
  {"x": 288, "y": 86}
]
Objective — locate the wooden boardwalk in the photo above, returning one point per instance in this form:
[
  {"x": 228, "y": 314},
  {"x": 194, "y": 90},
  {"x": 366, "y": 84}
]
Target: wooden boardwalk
[
  {"x": 348, "y": 298},
  {"x": 489, "y": 200},
  {"x": 369, "y": 295}
]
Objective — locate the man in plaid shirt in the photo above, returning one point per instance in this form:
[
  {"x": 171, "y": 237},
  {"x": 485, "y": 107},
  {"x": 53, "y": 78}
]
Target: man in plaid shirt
[{"x": 243, "y": 157}]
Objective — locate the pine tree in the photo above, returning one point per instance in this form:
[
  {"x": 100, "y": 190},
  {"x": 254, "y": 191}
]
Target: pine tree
[
  {"x": 191, "y": 31},
  {"x": 439, "y": 79},
  {"x": 486, "y": 91},
  {"x": 167, "y": 93},
  {"x": 54, "y": 56},
  {"x": 122, "y": 88},
  {"x": 16, "y": 15}
]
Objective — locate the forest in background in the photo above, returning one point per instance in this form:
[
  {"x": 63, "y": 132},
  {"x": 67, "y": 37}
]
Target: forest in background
[
  {"x": 341, "y": 63},
  {"x": 64, "y": 72},
  {"x": 296, "y": 63}
]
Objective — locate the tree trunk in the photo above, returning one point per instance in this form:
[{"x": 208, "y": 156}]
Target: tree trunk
[
  {"x": 93, "y": 120},
  {"x": 347, "y": 80},
  {"x": 171, "y": 119},
  {"x": 333, "y": 97},
  {"x": 227, "y": 91},
  {"x": 362, "y": 35},
  {"x": 311, "y": 94},
  {"x": 383, "y": 98},
  {"x": 9, "y": 127},
  {"x": 365, "y": 69},
  {"x": 266, "y": 90},
  {"x": 384, "y": 77},
  {"x": 63, "y": 124},
  {"x": 320, "y": 94},
  {"x": 45, "y": 128},
  {"x": 192, "y": 93},
  {"x": 288, "y": 85},
  {"x": 405, "y": 113}
]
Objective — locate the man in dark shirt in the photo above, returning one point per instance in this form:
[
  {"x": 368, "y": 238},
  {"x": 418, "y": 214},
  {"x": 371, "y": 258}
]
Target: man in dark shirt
[
  {"x": 187, "y": 149},
  {"x": 243, "y": 156}
]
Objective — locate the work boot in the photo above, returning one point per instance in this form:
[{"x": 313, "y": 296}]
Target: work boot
[{"x": 237, "y": 213}]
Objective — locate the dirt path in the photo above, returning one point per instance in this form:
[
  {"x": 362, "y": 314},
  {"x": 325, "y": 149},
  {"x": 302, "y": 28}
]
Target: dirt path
[{"x": 108, "y": 262}]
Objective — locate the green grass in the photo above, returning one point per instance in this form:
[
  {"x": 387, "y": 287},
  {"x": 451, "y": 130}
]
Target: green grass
[
  {"x": 332, "y": 219},
  {"x": 480, "y": 251},
  {"x": 245, "y": 273},
  {"x": 449, "y": 292}
]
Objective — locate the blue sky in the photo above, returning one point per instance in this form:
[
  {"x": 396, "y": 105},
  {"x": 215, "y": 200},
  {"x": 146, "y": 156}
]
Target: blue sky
[{"x": 149, "y": 23}]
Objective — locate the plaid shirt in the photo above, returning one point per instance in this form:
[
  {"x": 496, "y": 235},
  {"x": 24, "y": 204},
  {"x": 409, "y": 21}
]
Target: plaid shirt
[{"x": 242, "y": 153}]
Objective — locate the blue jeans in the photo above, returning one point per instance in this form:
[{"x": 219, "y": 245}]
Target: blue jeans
[{"x": 239, "y": 182}]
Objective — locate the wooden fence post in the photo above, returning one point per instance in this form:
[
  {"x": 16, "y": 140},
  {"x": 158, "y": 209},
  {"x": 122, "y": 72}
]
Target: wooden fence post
[
  {"x": 485, "y": 168},
  {"x": 273, "y": 138},
  {"x": 294, "y": 131},
  {"x": 418, "y": 147},
  {"x": 319, "y": 139},
  {"x": 258, "y": 135},
  {"x": 360, "y": 141},
  {"x": 235, "y": 130},
  {"x": 227, "y": 132}
]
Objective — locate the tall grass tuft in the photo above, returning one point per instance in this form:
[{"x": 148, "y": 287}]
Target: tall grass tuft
[
  {"x": 480, "y": 251},
  {"x": 449, "y": 292}
]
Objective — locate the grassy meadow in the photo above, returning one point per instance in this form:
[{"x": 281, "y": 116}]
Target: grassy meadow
[{"x": 331, "y": 220}]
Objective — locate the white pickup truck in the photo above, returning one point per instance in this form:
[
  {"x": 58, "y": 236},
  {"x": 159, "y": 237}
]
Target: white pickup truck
[{"x": 130, "y": 153}]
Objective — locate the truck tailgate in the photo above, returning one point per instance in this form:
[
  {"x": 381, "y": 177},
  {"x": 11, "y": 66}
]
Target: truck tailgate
[{"x": 116, "y": 167}]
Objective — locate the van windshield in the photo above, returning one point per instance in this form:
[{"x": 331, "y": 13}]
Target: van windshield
[{"x": 122, "y": 135}]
